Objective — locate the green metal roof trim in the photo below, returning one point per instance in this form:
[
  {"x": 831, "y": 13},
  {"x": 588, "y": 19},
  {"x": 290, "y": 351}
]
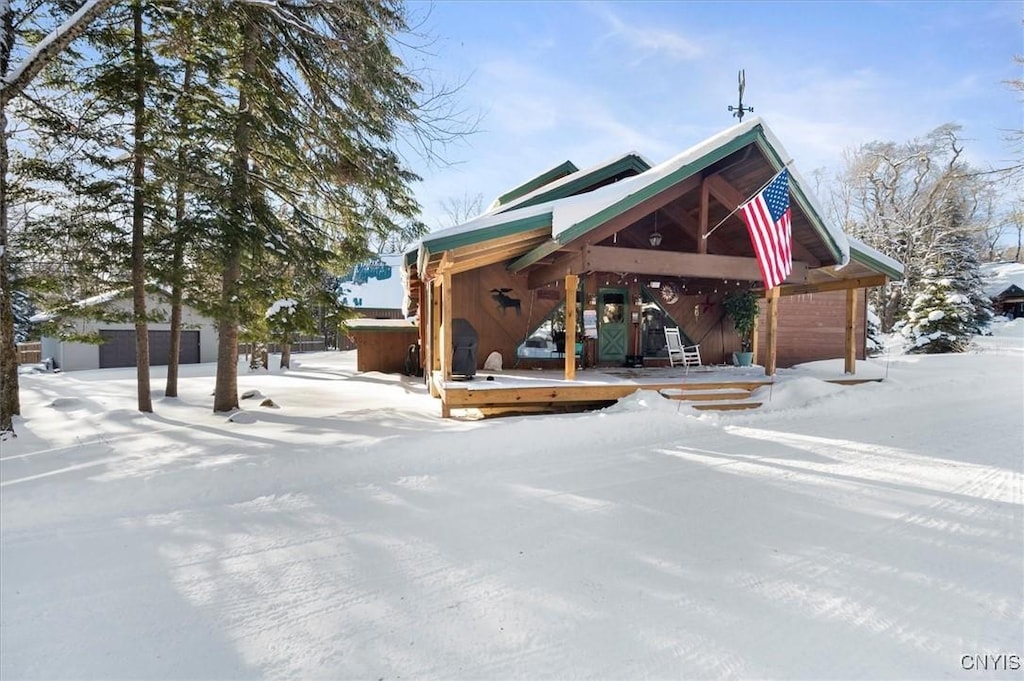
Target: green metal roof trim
[
  {"x": 645, "y": 193},
  {"x": 755, "y": 136},
  {"x": 796, "y": 192},
  {"x": 556, "y": 173},
  {"x": 581, "y": 181},
  {"x": 497, "y": 231},
  {"x": 866, "y": 255}
]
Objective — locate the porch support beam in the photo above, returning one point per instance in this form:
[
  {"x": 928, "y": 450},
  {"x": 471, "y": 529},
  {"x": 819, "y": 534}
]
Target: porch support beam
[
  {"x": 702, "y": 228},
  {"x": 625, "y": 219},
  {"x": 421, "y": 302},
  {"x": 569, "y": 263},
  {"x": 771, "y": 331},
  {"x": 571, "y": 283},
  {"x": 833, "y": 285},
  {"x": 754, "y": 344},
  {"x": 446, "y": 325},
  {"x": 851, "y": 326},
  {"x": 673, "y": 264},
  {"x": 434, "y": 317}
]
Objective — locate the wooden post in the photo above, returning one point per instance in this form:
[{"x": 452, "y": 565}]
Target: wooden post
[
  {"x": 446, "y": 326},
  {"x": 754, "y": 344},
  {"x": 770, "y": 340},
  {"x": 851, "y": 327},
  {"x": 421, "y": 326},
  {"x": 705, "y": 194},
  {"x": 434, "y": 335},
  {"x": 571, "y": 282}
]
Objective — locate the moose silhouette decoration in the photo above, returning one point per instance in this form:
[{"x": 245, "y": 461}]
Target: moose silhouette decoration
[{"x": 504, "y": 301}]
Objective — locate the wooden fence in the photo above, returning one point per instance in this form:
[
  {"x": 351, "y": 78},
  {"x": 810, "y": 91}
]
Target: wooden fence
[
  {"x": 30, "y": 353},
  {"x": 305, "y": 345}
]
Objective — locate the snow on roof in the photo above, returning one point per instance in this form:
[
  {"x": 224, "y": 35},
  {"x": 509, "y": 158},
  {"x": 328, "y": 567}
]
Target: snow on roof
[
  {"x": 570, "y": 211},
  {"x": 93, "y": 301},
  {"x": 571, "y": 177},
  {"x": 480, "y": 223},
  {"x": 872, "y": 254},
  {"x": 562, "y": 169},
  {"x": 375, "y": 291},
  {"x": 1000, "y": 276},
  {"x": 573, "y": 210}
]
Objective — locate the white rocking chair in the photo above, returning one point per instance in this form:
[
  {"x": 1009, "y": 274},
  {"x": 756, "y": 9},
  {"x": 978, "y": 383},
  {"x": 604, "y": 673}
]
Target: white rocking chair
[{"x": 685, "y": 355}]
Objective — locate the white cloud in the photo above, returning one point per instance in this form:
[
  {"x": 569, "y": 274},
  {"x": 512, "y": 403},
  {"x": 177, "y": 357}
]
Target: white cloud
[{"x": 650, "y": 40}]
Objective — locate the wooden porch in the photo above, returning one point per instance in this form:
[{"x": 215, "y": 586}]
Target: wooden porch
[{"x": 722, "y": 388}]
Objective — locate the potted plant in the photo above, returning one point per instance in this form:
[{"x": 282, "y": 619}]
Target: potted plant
[{"x": 742, "y": 309}]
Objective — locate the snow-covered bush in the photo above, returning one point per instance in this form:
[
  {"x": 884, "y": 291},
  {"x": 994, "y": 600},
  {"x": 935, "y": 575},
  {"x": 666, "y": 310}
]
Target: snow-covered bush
[
  {"x": 875, "y": 343},
  {"x": 940, "y": 319}
]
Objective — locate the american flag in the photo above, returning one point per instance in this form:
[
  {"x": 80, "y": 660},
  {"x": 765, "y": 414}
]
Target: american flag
[{"x": 768, "y": 221}]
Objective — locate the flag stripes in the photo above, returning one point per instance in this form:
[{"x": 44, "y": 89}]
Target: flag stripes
[{"x": 769, "y": 223}]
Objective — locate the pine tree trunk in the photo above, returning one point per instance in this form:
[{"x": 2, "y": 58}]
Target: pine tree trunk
[
  {"x": 174, "y": 345},
  {"x": 178, "y": 257},
  {"x": 139, "y": 217},
  {"x": 286, "y": 351},
  {"x": 225, "y": 396},
  {"x": 9, "y": 399}
]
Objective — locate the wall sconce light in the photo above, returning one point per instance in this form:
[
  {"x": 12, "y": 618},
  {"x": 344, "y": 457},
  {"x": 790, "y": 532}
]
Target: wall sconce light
[
  {"x": 592, "y": 301},
  {"x": 638, "y": 301}
]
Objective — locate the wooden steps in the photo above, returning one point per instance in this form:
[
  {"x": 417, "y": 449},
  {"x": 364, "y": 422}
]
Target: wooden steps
[
  {"x": 852, "y": 381},
  {"x": 726, "y": 406},
  {"x": 706, "y": 395},
  {"x": 489, "y": 399},
  {"x": 732, "y": 398}
]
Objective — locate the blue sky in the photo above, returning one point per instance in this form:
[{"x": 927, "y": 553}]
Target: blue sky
[{"x": 587, "y": 81}]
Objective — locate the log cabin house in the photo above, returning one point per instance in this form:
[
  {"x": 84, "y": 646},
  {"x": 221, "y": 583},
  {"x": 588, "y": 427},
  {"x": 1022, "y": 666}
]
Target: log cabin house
[{"x": 633, "y": 249}]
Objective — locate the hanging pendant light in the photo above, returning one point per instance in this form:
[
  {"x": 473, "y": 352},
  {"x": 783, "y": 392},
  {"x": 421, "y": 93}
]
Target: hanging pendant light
[{"x": 655, "y": 237}]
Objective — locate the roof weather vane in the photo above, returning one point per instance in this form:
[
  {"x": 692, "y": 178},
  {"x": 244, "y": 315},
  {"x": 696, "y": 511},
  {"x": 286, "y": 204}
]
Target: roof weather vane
[{"x": 738, "y": 111}]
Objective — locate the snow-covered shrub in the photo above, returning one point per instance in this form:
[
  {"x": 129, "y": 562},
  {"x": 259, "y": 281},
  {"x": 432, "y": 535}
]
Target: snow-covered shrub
[
  {"x": 940, "y": 319},
  {"x": 875, "y": 343}
]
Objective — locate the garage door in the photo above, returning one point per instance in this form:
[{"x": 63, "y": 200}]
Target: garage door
[{"x": 118, "y": 349}]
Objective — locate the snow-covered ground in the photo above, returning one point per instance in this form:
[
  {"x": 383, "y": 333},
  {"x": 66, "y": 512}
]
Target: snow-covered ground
[{"x": 873, "y": 531}]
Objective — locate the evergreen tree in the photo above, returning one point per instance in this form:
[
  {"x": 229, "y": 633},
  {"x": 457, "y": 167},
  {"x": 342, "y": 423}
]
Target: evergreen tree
[
  {"x": 904, "y": 198},
  {"x": 964, "y": 267},
  {"x": 23, "y": 312},
  {"x": 321, "y": 99},
  {"x": 103, "y": 165},
  {"x": 14, "y": 78},
  {"x": 940, "y": 318},
  {"x": 875, "y": 341}
]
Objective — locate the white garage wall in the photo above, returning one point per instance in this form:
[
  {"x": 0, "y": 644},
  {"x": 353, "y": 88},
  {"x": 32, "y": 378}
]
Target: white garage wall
[{"x": 78, "y": 356}]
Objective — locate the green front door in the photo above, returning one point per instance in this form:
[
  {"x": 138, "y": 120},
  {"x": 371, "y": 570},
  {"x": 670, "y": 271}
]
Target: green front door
[{"x": 613, "y": 327}]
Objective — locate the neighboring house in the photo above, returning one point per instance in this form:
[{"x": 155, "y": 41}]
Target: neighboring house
[
  {"x": 631, "y": 245},
  {"x": 374, "y": 288},
  {"x": 1004, "y": 285},
  {"x": 198, "y": 335}
]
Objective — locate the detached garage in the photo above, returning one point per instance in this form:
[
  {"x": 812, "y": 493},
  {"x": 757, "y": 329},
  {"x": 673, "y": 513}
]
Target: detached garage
[
  {"x": 102, "y": 317},
  {"x": 118, "y": 348}
]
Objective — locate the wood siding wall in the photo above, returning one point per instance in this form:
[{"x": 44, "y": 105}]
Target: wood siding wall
[
  {"x": 382, "y": 350},
  {"x": 502, "y": 329},
  {"x": 812, "y": 327},
  {"x": 699, "y": 314}
]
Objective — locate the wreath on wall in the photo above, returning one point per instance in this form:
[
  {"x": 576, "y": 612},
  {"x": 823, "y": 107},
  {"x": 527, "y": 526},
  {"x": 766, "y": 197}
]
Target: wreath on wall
[{"x": 669, "y": 293}]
